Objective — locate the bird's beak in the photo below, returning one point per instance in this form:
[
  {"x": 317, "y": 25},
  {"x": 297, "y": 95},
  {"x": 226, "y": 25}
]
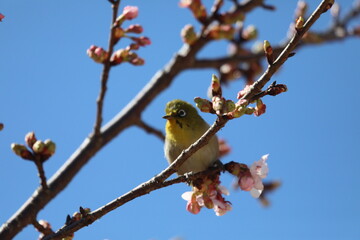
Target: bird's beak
[{"x": 167, "y": 117}]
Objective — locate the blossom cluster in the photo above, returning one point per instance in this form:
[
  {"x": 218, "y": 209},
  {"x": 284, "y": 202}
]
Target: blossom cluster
[
  {"x": 209, "y": 193},
  {"x": 221, "y": 106},
  {"x": 42, "y": 150},
  {"x": 126, "y": 54}
]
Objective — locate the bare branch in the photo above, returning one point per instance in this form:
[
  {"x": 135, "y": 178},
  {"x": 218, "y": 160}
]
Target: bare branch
[
  {"x": 151, "y": 130},
  {"x": 105, "y": 72},
  {"x": 41, "y": 172},
  {"x": 265, "y": 78}
]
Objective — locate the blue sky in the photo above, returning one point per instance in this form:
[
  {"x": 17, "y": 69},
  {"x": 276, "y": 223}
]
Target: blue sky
[{"x": 49, "y": 85}]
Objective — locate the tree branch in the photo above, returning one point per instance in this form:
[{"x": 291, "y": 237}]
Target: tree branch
[
  {"x": 151, "y": 130},
  {"x": 106, "y": 71},
  {"x": 265, "y": 78}
]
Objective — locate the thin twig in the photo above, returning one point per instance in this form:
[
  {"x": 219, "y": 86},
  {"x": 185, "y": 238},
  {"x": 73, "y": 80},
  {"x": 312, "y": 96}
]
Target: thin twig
[
  {"x": 265, "y": 78},
  {"x": 105, "y": 72},
  {"x": 151, "y": 130},
  {"x": 40, "y": 228},
  {"x": 41, "y": 172}
]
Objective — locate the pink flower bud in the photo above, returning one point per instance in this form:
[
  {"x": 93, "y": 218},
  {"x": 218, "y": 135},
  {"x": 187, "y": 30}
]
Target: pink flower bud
[
  {"x": 246, "y": 183},
  {"x": 133, "y": 46},
  {"x": 1, "y": 17},
  {"x": 224, "y": 148},
  {"x": 260, "y": 108},
  {"x": 137, "y": 61},
  {"x": 30, "y": 139},
  {"x": 135, "y": 28},
  {"x": 193, "y": 207},
  {"x": 130, "y": 12},
  {"x": 142, "y": 41},
  {"x": 97, "y": 54}
]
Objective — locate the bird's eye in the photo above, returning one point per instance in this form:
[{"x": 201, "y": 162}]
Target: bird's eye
[{"x": 181, "y": 113}]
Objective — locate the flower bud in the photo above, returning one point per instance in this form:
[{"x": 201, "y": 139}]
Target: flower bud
[
  {"x": 229, "y": 106},
  {"x": 132, "y": 46},
  {"x": 30, "y": 139},
  {"x": 335, "y": 10},
  {"x": 97, "y": 54},
  {"x": 137, "y": 61},
  {"x": 276, "y": 89},
  {"x": 215, "y": 86},
  {"x": 1, "y": 17},
  {"x": 203, "y": 104},
  {"x": 260, "y": 108},
  {"x": 1, "y": 126},
  {"x": 188, "y": 34},
  {"x": 218, "y": 104},
  {"x": 268, "y": 52},
  {"x": 38, "y": 146},
  {"x": 22, "y": 151},
  {"x": 141, "y": 41},
  {"x": 135, "y": 28},
  {"x": 224, "y": 148},
  {"x": 221, "y": 32},
  {"x": 301, "y": 9},
  {"x": 193, "y": 207},
  {"x": 50, "y": 147},
  {"x": 299, "y": 23},
  {"x": 246, "y": 182},
  {"x": 129, "y": 13},
  {"x": 249, "y": 33}
]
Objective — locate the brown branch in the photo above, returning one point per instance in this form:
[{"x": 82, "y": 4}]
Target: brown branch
[
  {"x": 265, "y": 78},
  {"x": 105, "y": 71},
  {"x": 41, "y": 172},
  {"x": 41, "y": 228},
  {"x": 151, "y": 130}
]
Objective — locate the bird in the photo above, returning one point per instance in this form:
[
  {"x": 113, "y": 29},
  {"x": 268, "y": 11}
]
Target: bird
[{"x": 183, "y": 127}]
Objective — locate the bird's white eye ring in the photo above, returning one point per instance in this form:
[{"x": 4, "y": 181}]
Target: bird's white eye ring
[{"x": 181, "y": 113}]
